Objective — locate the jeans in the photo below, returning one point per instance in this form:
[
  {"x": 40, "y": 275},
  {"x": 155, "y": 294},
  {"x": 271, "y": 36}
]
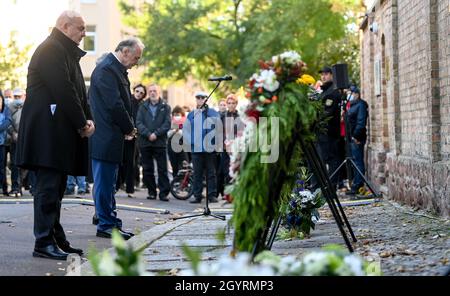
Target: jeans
[
  {"x": 358, "y": 158},
  {"x": 2, "y": 166},
  {"x": 73, "y": 181},
  {"x": 105, "y": 176},
  {"x": 202, "y": 161}
]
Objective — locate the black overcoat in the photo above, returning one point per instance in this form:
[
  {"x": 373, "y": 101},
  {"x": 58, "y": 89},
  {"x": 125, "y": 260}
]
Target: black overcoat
[
  {"x": 55, "y": 110},
  {"x": 109, "y": 97}
]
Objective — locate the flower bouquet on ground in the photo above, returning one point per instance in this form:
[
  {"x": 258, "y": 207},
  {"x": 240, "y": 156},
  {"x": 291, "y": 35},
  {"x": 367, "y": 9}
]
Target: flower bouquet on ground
[
  {"x": 280, "y": 111},
  {"x": 300, "y": 211}
]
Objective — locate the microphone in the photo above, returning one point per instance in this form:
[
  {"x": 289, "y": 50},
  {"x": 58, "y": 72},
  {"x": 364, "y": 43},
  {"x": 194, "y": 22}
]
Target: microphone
[{"x": 224, "y": 78}]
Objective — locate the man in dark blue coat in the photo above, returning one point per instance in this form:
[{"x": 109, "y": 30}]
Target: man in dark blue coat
[
  {"x": 110, "y": 97},
  {"x": 54, "y": 127},
  {"x": 357, "y": 119}
]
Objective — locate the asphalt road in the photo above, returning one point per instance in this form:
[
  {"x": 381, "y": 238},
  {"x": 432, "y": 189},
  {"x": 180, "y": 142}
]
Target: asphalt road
[{"x": 17, "y": 240}]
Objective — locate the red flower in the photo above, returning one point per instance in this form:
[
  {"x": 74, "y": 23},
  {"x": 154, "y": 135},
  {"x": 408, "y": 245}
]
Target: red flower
[
  {"x": 263, "y": 65},
  {"x": 253, "y": 113},
  {"x": 260, "y": 90},
  {"x": 248, "y": 95}
]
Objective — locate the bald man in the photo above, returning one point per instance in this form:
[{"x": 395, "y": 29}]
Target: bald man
[{"x": 54, "y": 130}]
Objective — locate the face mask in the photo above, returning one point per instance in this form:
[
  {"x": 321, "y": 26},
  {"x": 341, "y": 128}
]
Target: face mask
[
  {"x": 351, "y": 98},
  {"x": 8, "y": 101},
  {"x": 177, "y": 117},
  {"x": 19, "y": 102}
]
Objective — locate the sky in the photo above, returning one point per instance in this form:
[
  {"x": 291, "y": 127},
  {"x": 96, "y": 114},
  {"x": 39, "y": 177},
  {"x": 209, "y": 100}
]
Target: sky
[{"x": 31, "y": 18}]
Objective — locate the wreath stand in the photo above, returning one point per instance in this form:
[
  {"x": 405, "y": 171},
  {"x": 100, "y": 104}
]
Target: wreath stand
[{"x": 266, "y": 240}]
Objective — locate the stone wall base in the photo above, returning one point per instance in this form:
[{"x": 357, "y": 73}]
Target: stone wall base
[{"x": 412, "y": 181}]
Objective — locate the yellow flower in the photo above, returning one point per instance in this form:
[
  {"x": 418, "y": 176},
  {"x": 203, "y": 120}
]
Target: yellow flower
[{"x": 306, "y": 79}]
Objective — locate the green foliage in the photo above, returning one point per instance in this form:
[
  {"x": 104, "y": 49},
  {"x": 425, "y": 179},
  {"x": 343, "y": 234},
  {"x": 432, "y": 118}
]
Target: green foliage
[
  {"x": 12, "y": 59},
  {"x": 193, "y": 256},
  {"x": 126, "y": 262},
  {"x": 214, "y": 37},
  {"x": 253, "y": 202}
]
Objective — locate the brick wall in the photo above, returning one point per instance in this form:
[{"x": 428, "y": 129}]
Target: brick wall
[{"x": 408, "y": 151}]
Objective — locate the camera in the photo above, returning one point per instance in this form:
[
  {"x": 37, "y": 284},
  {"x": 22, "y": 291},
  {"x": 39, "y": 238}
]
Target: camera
[{"x": 374, "y": 27}]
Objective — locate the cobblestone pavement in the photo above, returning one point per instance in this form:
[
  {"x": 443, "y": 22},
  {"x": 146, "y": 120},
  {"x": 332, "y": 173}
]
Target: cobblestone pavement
[{"x": 406, "y": 242}]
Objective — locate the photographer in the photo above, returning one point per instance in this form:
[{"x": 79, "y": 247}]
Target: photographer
[{"x": 357, "y": 119}]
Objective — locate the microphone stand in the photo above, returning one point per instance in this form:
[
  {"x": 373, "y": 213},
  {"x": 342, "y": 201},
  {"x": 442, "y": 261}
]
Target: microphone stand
[{"x": 207, "y": 210}]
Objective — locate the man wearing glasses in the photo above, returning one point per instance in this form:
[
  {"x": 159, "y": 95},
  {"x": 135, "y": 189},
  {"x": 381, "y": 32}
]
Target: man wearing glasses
[
  {"x": 202, "y": 135},
  {"x": 53, "y": 132}
]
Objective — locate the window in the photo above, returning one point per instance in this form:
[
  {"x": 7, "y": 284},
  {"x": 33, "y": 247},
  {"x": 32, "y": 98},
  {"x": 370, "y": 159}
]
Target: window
[{"x": 90, "y": 41}]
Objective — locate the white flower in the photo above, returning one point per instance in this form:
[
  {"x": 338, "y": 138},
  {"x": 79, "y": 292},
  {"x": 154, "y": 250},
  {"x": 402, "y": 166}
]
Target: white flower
[
  {"x": 288, "y": 57},
  {"x": 267, "y": 79},
  {"x": 355, "y": 264}
]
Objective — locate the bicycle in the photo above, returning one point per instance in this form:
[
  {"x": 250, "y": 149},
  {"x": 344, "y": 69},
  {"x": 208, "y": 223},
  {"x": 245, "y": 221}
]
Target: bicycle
[{"x": 182, "y": 185}]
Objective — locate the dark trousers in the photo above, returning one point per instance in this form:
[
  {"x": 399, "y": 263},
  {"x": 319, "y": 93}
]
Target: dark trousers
[
  {"x": 328, "y": 150},
  {"x": 126, "y": 170},
  {"x": 223, "y": 169},
  {"x": 3, "y": 167},
  {"x": 160, "y": 155},
  {"x": 50, "y": 187},
  {"x": 358, "y": 158},
  {"x": 176, "y": 160},
  {"x": 15, "y": 171},
  {"x": 204, "y": 163},
  {"x": 105, "y": 177}
]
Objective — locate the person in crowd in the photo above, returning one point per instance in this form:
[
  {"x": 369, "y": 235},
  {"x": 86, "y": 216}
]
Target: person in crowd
[
  {"x": 153, "y": 123},
  {"x": 55, "y": 125},
  {"x": 357, "y": 119},
  {"x": 5, "y": 122},
  {"x": 110, "y": 99},
  {"x": 231, "y": 126},
  {"x": 222, "y": 107},
  {"x": 73, "y": 181},
  {"x": 328, "y": 141},
  {"x": 130, "y": 164},
  {"x": 15, "y": 106},
  {"x": 176, "y": 158},
  {"x": 8, "y": 94},
  {"x": 199, "y": 124}
]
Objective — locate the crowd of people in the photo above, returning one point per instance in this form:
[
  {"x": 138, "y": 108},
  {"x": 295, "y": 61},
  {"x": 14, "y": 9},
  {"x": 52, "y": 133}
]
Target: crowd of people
[{"x": 69, "y": 137}]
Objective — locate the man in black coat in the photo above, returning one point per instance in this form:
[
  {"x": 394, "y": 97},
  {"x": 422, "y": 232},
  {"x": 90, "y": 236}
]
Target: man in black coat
[
  {"x": 54, "y": 128},
  {"x": 328, "y": 141},
  {"x": 153, "y": 123},
  {"x": 109, "y": 97}
]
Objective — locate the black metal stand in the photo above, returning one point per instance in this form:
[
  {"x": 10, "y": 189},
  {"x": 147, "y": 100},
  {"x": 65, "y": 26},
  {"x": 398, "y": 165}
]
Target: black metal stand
[
  {"x": 348, "y": 162},
  {"x": 318, "y": 168},
  {"x": 207, "y": 211}
]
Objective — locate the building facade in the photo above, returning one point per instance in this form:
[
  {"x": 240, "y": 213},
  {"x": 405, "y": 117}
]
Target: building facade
[{"x": 405, "y": 77}]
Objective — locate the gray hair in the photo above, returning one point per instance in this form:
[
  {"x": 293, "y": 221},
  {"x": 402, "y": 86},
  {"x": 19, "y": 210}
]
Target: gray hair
[
  {"x": 67, "y": 17},
  {"x": 131, "y": 43}
]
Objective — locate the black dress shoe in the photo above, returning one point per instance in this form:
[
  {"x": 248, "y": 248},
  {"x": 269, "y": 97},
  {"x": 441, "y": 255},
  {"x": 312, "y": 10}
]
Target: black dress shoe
[
  {"x": 151, "y": 197},
  {"x": 213, "y": 200},
  {"x": 50, "y": 252},
  {"x": 196, "y": 201},
  {"x": 127, "y": 232},
  {"x": 108, "y": 234},
  {"x": 66, "y": 247}
]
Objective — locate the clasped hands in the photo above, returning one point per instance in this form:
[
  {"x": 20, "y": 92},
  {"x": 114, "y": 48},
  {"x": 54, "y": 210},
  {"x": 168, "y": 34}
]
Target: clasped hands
[
  {"x": 131, "y": 135},
  {"x": 88, "y": 130}
]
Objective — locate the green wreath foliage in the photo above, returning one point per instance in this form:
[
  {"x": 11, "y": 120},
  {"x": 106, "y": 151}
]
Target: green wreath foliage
[{"x": 253, "y": 203}]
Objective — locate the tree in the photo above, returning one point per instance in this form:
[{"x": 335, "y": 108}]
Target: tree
[
  {"x": 217, "y": 37},
  {"x": 12, "y": 60}
]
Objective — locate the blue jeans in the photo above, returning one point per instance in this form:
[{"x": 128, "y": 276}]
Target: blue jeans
[
  {"x": 358, "y": 158},
  {"x": 200, "y": 161},
  {"x": 105, "y": 176},
  {"x": 73, "y": 181}
]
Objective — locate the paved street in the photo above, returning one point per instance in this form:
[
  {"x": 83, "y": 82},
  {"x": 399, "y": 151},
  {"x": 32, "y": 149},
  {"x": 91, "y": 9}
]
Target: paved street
[
  {"x": 16, "y": 228},
  {"x": 406, "y": 242}
]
